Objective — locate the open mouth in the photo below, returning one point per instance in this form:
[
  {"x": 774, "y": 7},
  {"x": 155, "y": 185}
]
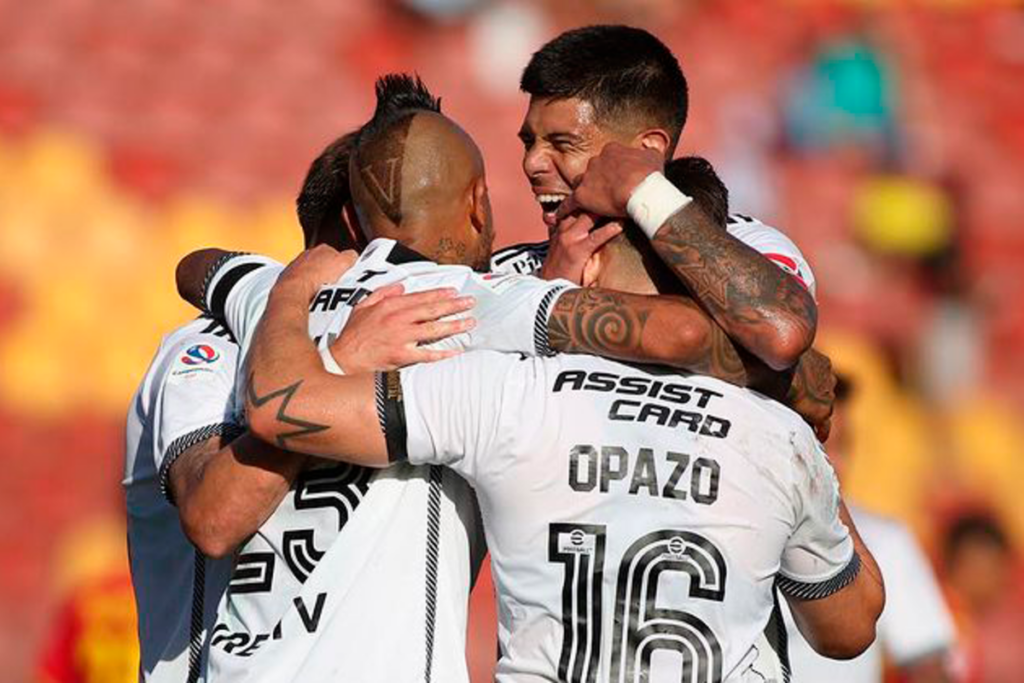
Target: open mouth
[{"x": 549, "y": 203}]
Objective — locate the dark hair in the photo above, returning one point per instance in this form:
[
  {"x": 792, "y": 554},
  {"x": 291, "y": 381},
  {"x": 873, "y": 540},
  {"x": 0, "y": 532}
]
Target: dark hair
[
  {"x": 979, "y": 526},
  {"x": 620, "y": 70},
  {"x": 380, "y": 148},
  {"x": 399, "y": 95},
  {"x": 697, "y": 177},
  {"x": 325, "y": 191}
]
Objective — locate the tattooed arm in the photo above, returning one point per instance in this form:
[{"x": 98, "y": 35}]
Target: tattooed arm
[
  {"x": 675, "y": 331},
  {"x": 763, "y": 308},
  {"x": 292, "y": 401}
]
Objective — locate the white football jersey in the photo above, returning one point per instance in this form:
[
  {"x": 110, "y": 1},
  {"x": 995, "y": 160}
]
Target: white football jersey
[
  {"x": 185, "y": 398},
  {"x": 362, "y": 576},
  {"x": 637, "y": 519},
  {"x": 915, "y": 622},
  {"x": 772, "y": 243}
]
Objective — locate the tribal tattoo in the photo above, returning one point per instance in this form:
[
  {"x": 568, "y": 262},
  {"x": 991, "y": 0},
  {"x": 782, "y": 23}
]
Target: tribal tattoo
[
  {"x": 639, "y": 329},
  {"x": 747, "y": 294},
  {"x": 302, "y": 427}
]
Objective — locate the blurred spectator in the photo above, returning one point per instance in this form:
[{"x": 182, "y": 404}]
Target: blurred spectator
[
  {"x": 984, "y": 584},
  {"x": 915, "y": 632},
  {"x": 93, "y": 637},
  {"x": 844, "y": 95}
]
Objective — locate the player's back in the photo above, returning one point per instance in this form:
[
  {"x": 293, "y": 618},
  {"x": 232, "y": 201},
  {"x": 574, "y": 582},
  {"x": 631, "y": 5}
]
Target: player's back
[
  {"x": 182, "y": 400},
  {"x": 637, "y": 520}
]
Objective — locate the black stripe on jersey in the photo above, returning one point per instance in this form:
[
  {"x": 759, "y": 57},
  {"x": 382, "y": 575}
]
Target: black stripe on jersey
[
  {"x": 227, "y": 430},
  {"x": 212, "y": 272},
  {"x": 217, "y": 329},
  {"x": 391, "y": 413},
  {"x": 532, "y": 248},
  {"x": 433, "y": 553},
  {"x": 739, "y": 217},
  {"x": 541, "y": 341},
  {"x": 402, "y": 254},
  {"x": 777, "y": 637},
  {"x": 816, "y": 591},
  {"x": 219, "y": 296},
  {"x": 195, "y": 637}
]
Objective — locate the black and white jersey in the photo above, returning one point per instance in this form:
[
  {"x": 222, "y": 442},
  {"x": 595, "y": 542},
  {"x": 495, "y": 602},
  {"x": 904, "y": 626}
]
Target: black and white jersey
[
  {"x": 360, "y": 575},
  {"x": 637, "y": 519},
  {"x": 184, "y": 399},
  {"x": 776, "y": 246}
]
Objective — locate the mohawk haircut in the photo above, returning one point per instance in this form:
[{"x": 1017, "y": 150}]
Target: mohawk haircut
[
  {"x": 325, "y": 191},
  {"x": 697, "y": 177},
  {"x": 381, "y": 147},
  {"x": 623, "y": 72}
]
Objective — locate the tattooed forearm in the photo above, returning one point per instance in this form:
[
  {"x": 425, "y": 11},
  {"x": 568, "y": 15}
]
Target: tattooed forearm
[
  {"x": 597, "y": 322},
  {"x": 759, "y": 305},
  {"x": 285, "y": 426},
  {"x": 670, "y": 331}
]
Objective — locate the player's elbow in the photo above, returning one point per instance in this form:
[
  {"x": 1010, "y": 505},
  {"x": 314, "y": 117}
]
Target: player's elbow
[
  {"x": 786, "y": 343},
  {"x": 262, "y": 421},
  {"x": 855, "y": 638},
  {"x": 191, "y": 273},
  {"x": 210, "y": 538}
]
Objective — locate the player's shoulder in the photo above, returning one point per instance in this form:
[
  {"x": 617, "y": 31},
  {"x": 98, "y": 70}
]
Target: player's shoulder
[
  {"x": 522, "y": 258},
  {"x": 199, "y": 347},
  {"x": 774, "y": 244}
]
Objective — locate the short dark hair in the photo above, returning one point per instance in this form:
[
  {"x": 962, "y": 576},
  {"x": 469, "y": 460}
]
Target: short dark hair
[
  {"x": 381, "y": 141},
  {"x": 697, "y": 177},
  {"x": 620, "y": 70},
  {"x": 976, "y": 526},
  {"x": 325, "y": 191}
]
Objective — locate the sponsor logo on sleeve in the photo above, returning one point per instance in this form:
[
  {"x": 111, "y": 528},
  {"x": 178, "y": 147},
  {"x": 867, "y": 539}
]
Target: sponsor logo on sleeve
[
  {"x": 200, "y": 354},
  {"x": 197, "y": 360}
]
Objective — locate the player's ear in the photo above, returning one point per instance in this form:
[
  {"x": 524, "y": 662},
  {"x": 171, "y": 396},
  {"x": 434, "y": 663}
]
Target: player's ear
[
  {"x": 655, "y": 138},
  {"x": 592, "y": 269},
  {"x": 479, "y": 205}
]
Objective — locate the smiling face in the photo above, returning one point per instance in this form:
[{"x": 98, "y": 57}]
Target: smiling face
[{"x": 560, "y": 136}]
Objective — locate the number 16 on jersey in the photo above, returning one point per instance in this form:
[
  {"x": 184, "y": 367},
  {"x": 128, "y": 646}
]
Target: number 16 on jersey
[{"x": 641, "y": 627}]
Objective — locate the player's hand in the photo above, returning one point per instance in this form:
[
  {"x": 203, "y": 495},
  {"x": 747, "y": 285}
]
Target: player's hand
[
  {"x": 813, "y": 392},
  {"x": 386, "y": 330},
  {"x": 314, "y": 268},
  {"x": 609, "y": 181},
  {"x": 573, "y": 242}
]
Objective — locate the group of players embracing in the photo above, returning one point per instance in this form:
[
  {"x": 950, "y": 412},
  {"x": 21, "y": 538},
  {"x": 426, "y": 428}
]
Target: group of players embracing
[{"x": 629, "y": 416}]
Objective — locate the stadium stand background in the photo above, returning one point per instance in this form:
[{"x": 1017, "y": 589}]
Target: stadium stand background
[{"x": 886, "y": 138}]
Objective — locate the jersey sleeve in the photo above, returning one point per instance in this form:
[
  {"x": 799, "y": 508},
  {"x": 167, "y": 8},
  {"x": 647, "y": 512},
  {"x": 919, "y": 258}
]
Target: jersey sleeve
[
  {"x": 774, "y": 245},
  {"x": 512, "y": 312},
  {"x": 237, "y": 292},
  {"x": 453, "y": 413},
  {"x": 916, "y": 622},
  {"x": 194, "y": 399},
  {"x": 819, "y": 558}
]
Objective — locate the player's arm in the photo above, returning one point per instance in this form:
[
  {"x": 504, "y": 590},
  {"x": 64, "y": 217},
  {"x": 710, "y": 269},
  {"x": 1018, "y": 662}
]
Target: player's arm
[
  {"x": 827, "y": 573},
  {"x": 764, "y": 309},
  {"x": 225, "y": 489},
  {"x": 294, "y": 403},
  {"x": 842, "y": 624}
]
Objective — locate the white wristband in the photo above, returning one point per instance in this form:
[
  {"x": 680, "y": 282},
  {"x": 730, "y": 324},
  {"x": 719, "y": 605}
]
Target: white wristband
[
  {"x": 653, "y": 201},
  {"x": 330, "y": 364}
]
